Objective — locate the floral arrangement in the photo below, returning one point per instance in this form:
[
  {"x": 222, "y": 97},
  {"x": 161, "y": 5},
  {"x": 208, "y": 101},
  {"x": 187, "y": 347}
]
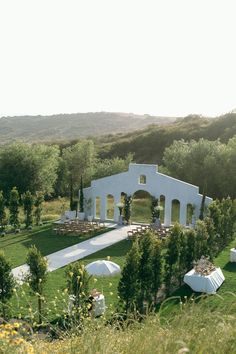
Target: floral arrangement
[{"x": 203, "y": 266}]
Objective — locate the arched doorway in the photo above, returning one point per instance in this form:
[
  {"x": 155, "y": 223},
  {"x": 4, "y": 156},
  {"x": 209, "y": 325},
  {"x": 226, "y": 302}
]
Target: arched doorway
[
  {"x": 175, "y": 211},
  {"x": 110, "y": 207},
  {"x": 141, "y": 207},
  {"x": 98, "y": 208}
]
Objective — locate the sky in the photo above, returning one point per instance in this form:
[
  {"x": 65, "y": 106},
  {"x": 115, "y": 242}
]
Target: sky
[{"x": 168, "y": 57}]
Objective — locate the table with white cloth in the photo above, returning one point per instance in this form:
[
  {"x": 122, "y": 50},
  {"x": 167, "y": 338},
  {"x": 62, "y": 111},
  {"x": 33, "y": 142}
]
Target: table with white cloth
[
  {"x": 99, "y": 305},
  {"x": 233, "y": 255},
  {"x": 204, "y": 283}
]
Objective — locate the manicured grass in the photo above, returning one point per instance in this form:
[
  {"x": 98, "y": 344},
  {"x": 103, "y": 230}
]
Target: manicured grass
[
  {"x": 44, "y": 238},
  {"x": 56, "y": 283}
]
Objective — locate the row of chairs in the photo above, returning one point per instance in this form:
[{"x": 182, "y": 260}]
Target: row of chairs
[
  {"x": 77, "y": 227},
  {"x": 161, "y": 233}
]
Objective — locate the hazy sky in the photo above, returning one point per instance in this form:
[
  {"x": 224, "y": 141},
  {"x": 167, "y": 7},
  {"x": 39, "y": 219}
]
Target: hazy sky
[{"x": 158, "y": 57}]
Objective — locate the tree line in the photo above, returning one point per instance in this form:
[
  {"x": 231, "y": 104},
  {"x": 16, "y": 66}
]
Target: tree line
[
  {"x": 57, "y": 170},
  {"x": 32, "y": 207},
  {"x": 53, "y": 170},
  {"x": 211, "y": 165}
]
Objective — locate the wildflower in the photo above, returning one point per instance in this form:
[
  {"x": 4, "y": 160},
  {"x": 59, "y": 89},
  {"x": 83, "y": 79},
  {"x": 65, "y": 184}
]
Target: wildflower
[
  {"x": 16, "y": 324},
  {"x": 108, "y": 258},
  {"x": 71, "y": 274},
  {"x": 95, "y": 280},
  {"x": 110, "y": 285}
]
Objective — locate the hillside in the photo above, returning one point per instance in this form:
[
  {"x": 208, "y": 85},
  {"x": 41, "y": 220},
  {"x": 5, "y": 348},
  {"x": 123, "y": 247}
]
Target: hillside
[
  {"x": 73, "y": 126},
  {"x": 149, "y": 144}
]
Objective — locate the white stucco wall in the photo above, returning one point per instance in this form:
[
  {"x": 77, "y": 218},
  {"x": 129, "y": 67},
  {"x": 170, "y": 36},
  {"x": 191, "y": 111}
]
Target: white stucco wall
[{"x": 157, "y": 184}]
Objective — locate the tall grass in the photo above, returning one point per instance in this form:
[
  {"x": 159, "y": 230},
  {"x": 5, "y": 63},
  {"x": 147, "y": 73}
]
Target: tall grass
[{"x": 194, "y": 329}]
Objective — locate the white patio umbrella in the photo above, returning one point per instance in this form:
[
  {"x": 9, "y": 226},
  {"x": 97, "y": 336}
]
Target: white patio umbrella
[{"x": 103, "y": 268}]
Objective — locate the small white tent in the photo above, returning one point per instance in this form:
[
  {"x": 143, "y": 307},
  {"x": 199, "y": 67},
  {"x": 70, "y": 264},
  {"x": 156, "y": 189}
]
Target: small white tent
[
  {"x": 204, "y": 283},
  {"x": 102, "y": 268}
]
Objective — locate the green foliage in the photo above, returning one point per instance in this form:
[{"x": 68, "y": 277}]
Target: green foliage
[
  {"x": 14, "y": 204},
  {"x": 3, "y": 219},
  {"x": 146, "y": 270},
  {"x": 142, "y": 274},
  {"x": 37, "y": 274},
  {"x": 212, "y": 239},
  {"x": 201, "y": 239},
  {"x": 78, "y": 281},
  {"x": 28, "y": 204},
  {"x": 109, "y": 167},
  {"x": 81, "y": 196},
  {"x": 175, "y": 258},
  {"x": 223, "y": 215},
  {"x": 38, "y": 201},
  {"x": 77, "y": 161},
  {"x": 7, "y": 282},
  {"x": 191, "y": 248},
  {"x": 154, "y": 209},
  {"x": 129, "y": 285},
  {"x": 208, "y": 164},
  {"x": 28, "y": 167},
  {"x": 127, "y": 207},
  {"x": 157, "y": 269}
]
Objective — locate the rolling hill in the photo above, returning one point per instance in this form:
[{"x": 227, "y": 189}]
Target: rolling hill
[
  {"x": 149, "y": 144},
  {"x": 73, "y": 126}
]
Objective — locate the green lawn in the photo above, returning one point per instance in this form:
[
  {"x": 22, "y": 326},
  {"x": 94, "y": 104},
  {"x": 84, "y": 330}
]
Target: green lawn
[
  {"x": 16, "y": 246},
  {"x": 56, "y": 283},
  {"x": 44, "y": 238}
]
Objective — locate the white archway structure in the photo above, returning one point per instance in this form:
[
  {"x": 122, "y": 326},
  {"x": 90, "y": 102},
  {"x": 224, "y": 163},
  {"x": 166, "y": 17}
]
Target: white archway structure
[{"x": 147, "y": 178}]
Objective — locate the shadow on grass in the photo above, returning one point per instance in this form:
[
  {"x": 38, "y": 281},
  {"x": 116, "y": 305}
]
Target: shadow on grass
[
  {"x": 230, "y": 267},
  {"x": 119, "y": 249},
  {"x": 48, "y": 242}
]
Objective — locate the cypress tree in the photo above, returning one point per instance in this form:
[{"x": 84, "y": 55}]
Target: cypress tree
[
  {"x": 37, "y": 275},
  {"x": 190, "y": 248},
  {"x": 81, "y": 196},
  {"x": 7, "y": 282},
  {"x": 146, "y": 274},
  {"x": 182, "y": 260},
  {"x": 201, "y": 239},
  {"x": 39, "y": 198},
  {"x": 156, "y": 269},
  {"x": 172, "y": 257},
  {"x": 28, "y": 204},
  {"x": 129, "y": 285},
  {"x": 14, "y": 204},
  {"x": 3, "y": 220},
  {"x": 212, "y": 244}
]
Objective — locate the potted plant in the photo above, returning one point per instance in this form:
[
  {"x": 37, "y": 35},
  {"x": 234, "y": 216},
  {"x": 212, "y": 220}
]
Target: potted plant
[
  {"x": 157, "y": 212},
  {"x": 88, "y": 208},
  {"x": 127, "y": 209},
  {"x": 120, "y": 206},
  {"x": 81, "y": 213}
]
